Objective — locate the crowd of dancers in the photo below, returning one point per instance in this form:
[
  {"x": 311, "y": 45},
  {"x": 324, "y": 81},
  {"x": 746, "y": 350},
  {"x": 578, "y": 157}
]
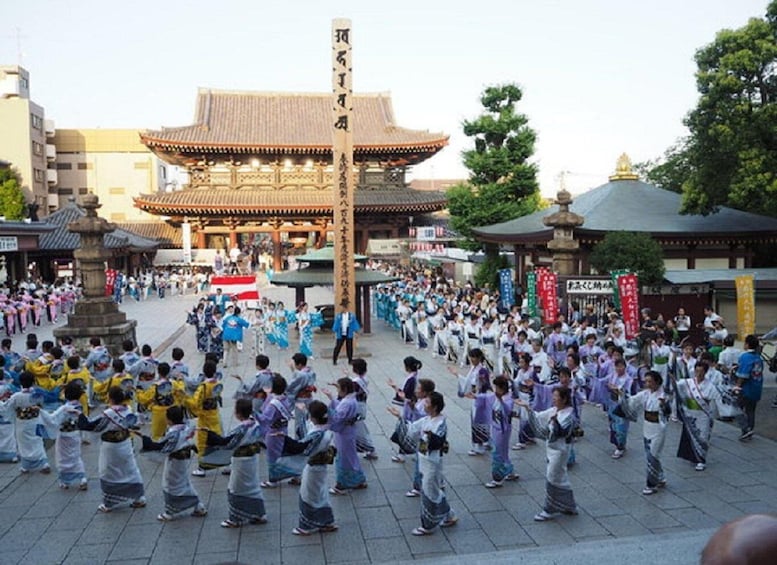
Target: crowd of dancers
[
  {"x": 30, "y": 304},
  {"x": 511, "y": 371}
]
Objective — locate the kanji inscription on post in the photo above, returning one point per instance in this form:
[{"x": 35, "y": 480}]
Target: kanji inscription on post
[{"x": 342, "y": 160}]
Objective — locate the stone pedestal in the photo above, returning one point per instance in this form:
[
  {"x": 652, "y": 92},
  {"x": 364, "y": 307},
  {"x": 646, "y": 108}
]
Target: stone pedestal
[
  {"x": 564, "y": 246},
  {"x": 95, "y": 315}
]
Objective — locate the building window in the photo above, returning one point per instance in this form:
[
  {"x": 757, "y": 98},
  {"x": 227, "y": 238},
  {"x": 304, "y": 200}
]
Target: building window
[
  {"x": 118, "y": 217},
  {"x": 83, "y": 191},
  {"x": 53, "y": 190},
  {"x": 25, "y": 84},
  {"x": 116, "y": 190},
  {"x": 85, "y": 166},
  {"x": 65, "y": 191},
  {"x": 64, "y": 166},
  {"x": 37, "y": 121},
  {"x": 37, "y": 148},
  {"x": 39, "y": 175}
]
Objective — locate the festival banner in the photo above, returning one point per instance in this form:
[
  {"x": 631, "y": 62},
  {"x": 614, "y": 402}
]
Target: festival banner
[
  {"x": 531, "y": 293},
  {"x": 745, "y": 285},
  {"x": 110, "y": 281},
  {"x": 240, "y": 287},
  {"x": 548, "y": 291},
  {"x": 628, "y": 290},
  {"x": 506, "y": 288},
  {"x": 616, "y": 300}
]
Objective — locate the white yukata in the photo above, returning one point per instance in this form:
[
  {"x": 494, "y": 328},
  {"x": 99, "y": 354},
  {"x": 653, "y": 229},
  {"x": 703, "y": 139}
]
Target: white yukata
[
  {"x": 26, "y": 406},
  {"x": 176, "y": 445},
  {"x": 70, "y": 464},
  {"x": 655, "y": 414},
  {"x": 8, "y": 451},
  {"x": 120, "y": 478}
]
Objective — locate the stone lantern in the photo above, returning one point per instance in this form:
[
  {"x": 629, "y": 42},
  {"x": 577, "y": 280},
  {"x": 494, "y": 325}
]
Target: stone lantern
[
  {"x": 95, "y": 315},
  {"x": 563, "y": 246}
]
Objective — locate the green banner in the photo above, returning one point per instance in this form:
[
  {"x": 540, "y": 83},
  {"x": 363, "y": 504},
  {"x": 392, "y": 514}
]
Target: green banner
[
  {"x": 616, "y": 297},
  {"x": 531, "y": 289}
]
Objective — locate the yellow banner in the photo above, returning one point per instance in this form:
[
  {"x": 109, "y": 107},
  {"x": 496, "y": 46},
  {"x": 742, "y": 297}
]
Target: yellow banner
[{"x": 745, "y": 305}]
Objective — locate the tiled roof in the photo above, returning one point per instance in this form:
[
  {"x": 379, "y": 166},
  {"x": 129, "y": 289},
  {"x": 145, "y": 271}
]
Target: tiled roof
[
  {"x": 288, "y": 122},
  {"x": 166, "y": 235},
  {"x": 284, "y": 202},
  {"x": 633, "y": 205},
  {"x": 60, "y": 239}
]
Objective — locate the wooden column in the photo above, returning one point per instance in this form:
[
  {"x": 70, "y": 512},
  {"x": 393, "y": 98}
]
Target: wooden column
[
  {"x": 299, "y": 295},
  {"x": 342, "y": 153},
  {"x": 201, "y": 239},
  {"x": 232, "y": 239},
  {"x": 367, "y": 311},
  {"x": 691, "y": 259}
]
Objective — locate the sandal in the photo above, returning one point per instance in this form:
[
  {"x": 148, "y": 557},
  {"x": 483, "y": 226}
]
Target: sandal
[
  {"x": 421, "y": 531},
  {"x": 200, "y": 512},
  {"x": 301, "y": 532},
  {"x": 262, "y": 520},
  {"x": 164, "y": 517},
  {"x": 450, "y": 522},
  {"x": 329, "y": 528},
  {"x": 295, "y": 481},
  {"x": 337, "y": 491},
  {"x": 229, "y": 524},
  {"x": 104, "y": 509},
  {"x": 268, "y": 484},
  {"x": 138, "y": 504}
]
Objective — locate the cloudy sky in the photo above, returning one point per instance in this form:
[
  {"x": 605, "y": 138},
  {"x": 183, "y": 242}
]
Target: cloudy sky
[{"x": 600, "y": 77}]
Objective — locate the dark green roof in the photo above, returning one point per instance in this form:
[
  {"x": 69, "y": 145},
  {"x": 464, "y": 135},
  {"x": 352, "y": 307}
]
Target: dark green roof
[
  {"x": 324, "y": 255},
  {"x": 325, "y": 277},
  {"x": 634, "y": 206}
]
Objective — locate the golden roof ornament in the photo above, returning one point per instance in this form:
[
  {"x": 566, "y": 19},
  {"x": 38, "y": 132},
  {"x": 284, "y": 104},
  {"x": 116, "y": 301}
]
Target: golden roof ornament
[{"x": 623, "y": 170}]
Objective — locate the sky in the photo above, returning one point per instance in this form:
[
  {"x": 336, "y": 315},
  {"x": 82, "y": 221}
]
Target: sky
[{"x": 599, "y": 77}]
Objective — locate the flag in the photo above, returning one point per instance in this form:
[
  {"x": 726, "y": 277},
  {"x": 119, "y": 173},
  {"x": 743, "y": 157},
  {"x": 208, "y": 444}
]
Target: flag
[
  {"x": 628, "y": 290},
  {"x": 241, "y": 287},
  {"x": 745, "y": 305}
]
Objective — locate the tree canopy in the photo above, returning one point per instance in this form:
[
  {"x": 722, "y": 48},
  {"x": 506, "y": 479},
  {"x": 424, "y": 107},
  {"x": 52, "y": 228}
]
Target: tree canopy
[
  {"x": 636, "y": 252},
  {"x": 503, "y": 183},
  {"x": 12, "y": 204},
  {"x": 730, "y": 155}
]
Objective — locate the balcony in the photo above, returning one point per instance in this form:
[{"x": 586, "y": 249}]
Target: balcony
[
  {"x": 51, "y": 152},
  {"x": 51, "y": 176},
  {"x": 50, "y": 129}
]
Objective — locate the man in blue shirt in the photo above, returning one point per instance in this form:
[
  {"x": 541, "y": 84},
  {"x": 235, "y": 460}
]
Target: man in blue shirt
[
  {"x": 750, "y": 382},
  {"x": 344, "y": 326}
]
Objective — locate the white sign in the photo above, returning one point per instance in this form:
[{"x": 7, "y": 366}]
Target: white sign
[
  {"x": 186, "y": 237},
  {"x": 9, "y": 243},
  {"x": 589, "y": 286},
  {"x": 425, "y": 233}
]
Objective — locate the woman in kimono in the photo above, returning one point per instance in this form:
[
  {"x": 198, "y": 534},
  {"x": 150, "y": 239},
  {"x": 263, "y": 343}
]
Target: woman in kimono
[
  {"x": 274, "y": 419},
  {"x": 489, "y": 334},
  {"x": 430, "y": 433},
  {"x": 198, "y": 319},
  {"x": 421, "y": 322},
  {"x": 524, "y": 375},
  {"x": 215, "y": 325},
  {"x": 269, "y": 324},
  {"x": 8, "y": 451},
  {"x": 471, "y": 333},
  {"x": 300, "y": 391},
  {"x": 617, "y": 383},
  {"x": 364, "y": 443},
  {"x": 555, "y": 426},
  {"x": 343, "y": 414},
  {"x": 697, "y": 407},
  {"x": 244, "y": 493},
  {"x": 405, "y": 397},
  {"x": 70, "y": 465},
  {"x": 281, "y": 327},
  {"x": 315, "y": 449},
  {"x": 653, "y": 403},
  {"x": 204, "y": 405},
  {"x": 176, "y": 445},
  {"x": 504, "y": 360},
  {"x": 477, "y": 381},
  {"x": 26, "y": 406},
  {"x": 120, "y": 478},
  {"x": 305, "y": 330}
]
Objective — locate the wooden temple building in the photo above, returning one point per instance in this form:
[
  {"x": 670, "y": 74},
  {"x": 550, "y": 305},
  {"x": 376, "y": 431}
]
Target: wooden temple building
[{"x": 262, "y": 163}]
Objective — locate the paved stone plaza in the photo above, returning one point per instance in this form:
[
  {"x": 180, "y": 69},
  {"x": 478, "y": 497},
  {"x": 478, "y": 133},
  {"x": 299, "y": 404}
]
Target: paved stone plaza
[{"x": 41, "y": 524}]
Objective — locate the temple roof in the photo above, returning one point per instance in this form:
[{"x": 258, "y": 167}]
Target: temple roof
[
  {"x": 324, "y": 276},
  {"x": 166, "y": 235},
  {"x": 248, "y": 201},
  {"x": 61, "y": 239},
  {"x": 286, "y": 123},
  {"x": 633, "y": 205}
]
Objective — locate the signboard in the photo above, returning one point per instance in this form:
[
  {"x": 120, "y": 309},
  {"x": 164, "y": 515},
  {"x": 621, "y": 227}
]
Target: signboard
[
  {"x": 628, "y": 292},
  {"x": 506, "y": 288},
  {"x": 589, "y": 286},
  {"x": 186, "y": 237},
  {"x": 531, "y": 293},
  {"x": 548, "y": 291},
  {"x": 342, "y": 160},
  {"x": 425, "y": 233},
  {"x": 9, "y": 243},
  {"x": 745, "y": 285},
  {"x": 616, "y": 299}
]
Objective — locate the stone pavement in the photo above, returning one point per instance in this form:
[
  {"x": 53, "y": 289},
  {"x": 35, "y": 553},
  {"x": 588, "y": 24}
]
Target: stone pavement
[{"x": 40, "y": 524}]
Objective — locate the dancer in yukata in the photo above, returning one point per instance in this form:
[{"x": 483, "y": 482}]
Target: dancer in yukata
[{"x": 343, "y": 415}]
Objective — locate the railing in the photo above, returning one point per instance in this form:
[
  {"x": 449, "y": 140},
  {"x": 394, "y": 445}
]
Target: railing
[{"x": 296, "y": 179}]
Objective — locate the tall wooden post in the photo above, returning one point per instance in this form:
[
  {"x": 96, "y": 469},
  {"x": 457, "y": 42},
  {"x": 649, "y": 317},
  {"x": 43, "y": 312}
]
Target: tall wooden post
[{"x": 342, "y": 160}]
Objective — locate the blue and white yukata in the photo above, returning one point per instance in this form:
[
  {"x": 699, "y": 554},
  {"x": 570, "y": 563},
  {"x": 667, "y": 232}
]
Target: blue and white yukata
[
  {"x": 300, "y": 391},
  {"x": 25, "y": 405},
  {"x": 70, "y": 464},
  {"x": 343, "y": 415},
  {"x": 305, "y": 334}
]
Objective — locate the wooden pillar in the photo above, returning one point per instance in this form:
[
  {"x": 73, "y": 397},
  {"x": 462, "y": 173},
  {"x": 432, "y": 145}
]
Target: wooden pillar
[
  {"x": 367, "y": 311},
  {"x": 691, "y": 259},
  {"x": 200, "y": 239},
  {"x": 232, "y": 239},
  {"x": 299, "y": 295},
  {"x": 732, "y": 256},
  {"x": 277, "y": 255}
]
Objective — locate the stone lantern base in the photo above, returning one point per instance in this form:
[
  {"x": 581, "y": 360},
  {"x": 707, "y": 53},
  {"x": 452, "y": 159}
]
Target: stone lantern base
[{"x": 98, "y": 317}]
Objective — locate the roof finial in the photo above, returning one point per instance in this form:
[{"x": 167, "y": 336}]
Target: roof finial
[{"x": 623, "y": 170}]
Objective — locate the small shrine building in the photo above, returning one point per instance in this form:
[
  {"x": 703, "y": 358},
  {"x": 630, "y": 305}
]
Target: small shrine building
[{"x": 261, "y": 162}]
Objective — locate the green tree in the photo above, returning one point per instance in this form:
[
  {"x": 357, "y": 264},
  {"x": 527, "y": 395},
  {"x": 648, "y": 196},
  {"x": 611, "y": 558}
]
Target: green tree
[
  {"x": 670, "y": 171},
  {"x": 488, "y": 271},
  {"x": 730, "y": 155},
  {"x": 12, "y": 204},
  {"x": 503, "y": 183},
  {"x": 637, "y": 252}
]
